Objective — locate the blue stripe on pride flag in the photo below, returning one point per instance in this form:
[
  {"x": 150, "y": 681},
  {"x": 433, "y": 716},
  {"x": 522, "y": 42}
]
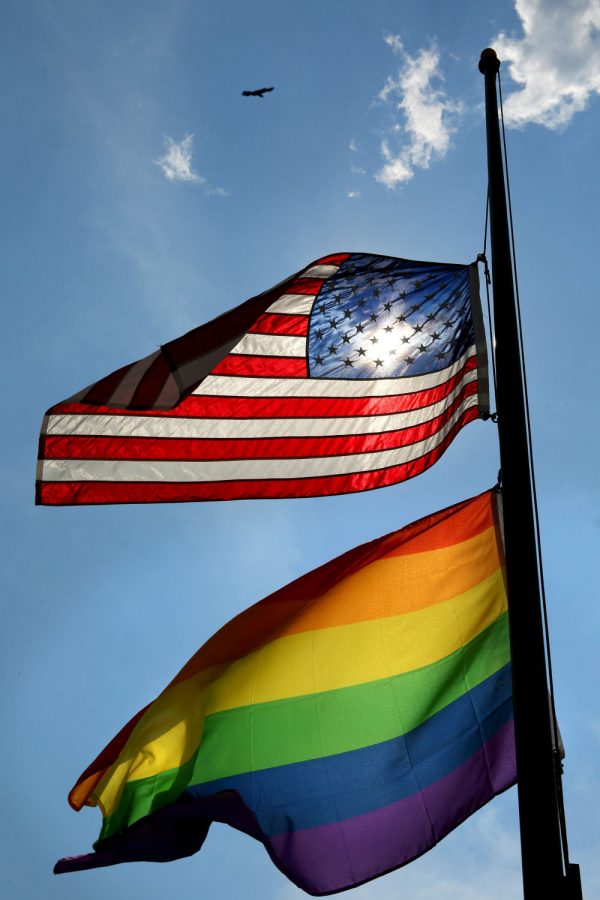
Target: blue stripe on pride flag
[{"x": 321, "y": 791}]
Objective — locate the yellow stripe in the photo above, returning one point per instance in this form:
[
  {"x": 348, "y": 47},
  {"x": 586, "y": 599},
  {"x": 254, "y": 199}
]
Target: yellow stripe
[
  {"x": 164, "y": 738},
  {"x": 331, "y": 658},
  {"x": 298, "y": 664},
  {"x": 389, "y": 586}
]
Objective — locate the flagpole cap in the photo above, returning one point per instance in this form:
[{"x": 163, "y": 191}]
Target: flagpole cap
[{"x": 488, "y": 61}]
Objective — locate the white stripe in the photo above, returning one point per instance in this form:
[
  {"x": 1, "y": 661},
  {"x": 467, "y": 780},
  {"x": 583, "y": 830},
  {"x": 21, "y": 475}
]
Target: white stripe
[
  {"x": 271, "y": 345},
  {"x": 194, "y": 371},
  {"x": 293, "y": 304},
  {"x": 181, "y": 427},
  {"x": 232, "y": 386},
  {"x": 322, "y": 271},
  {"x": 234, "y": 470}
]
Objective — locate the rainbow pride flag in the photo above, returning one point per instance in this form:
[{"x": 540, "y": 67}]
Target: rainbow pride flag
[{"x": 348, "y": 721}]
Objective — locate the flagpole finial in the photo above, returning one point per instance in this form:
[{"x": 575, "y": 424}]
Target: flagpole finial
[{"x": 488, "y": 61}]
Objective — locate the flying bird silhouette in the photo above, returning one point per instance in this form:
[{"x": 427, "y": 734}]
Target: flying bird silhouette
[{"x": 258, "y": 93}]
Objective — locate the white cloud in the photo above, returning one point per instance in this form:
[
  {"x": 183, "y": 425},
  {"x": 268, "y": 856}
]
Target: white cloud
[
  {"x": 354, "y": 167},
  {"x": 427, "y": 115},
  {"x": 176, "y": 163},
  {"x": 394, "y": 42},
  {"x": 353, "y": 195},
  {"x": 556, "y": 63}
]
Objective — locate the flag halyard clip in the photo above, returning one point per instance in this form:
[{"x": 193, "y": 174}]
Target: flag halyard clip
[{"x": 482, "y": 258}]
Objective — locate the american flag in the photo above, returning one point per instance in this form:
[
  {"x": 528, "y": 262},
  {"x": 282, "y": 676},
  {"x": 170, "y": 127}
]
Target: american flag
[{"x": 355, "y": 373}]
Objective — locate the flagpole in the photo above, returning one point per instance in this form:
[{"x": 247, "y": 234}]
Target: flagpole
[{"x": 539, "y": 809}]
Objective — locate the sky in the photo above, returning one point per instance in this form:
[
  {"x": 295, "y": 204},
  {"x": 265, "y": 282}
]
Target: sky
[{"x": 142, "y": 196}]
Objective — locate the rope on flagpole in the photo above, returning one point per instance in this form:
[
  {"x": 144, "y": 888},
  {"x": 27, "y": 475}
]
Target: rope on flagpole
[{"x": 482, "y": 258}]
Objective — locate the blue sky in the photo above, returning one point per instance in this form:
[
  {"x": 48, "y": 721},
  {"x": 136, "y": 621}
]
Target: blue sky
[{"x": 142, "y": 196}]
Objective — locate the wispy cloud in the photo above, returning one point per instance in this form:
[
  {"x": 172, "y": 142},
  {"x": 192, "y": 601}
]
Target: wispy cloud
[
  {"x": 556, "y": 62},
  {"x": 176, "y": 163},
  {"x": 394, "y": 41},
  {"x": 353, "y": 195},
  {"x": 424, "y": 116},
  {"x": 354, "y": 168}
]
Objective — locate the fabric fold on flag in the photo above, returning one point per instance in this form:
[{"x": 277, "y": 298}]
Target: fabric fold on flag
[
  {"x": 355, "y": 373},
  {"x": 349, "y": 721}
]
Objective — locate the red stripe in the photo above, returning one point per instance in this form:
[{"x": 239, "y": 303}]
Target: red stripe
[
  {"x": 92, "y": 447},
  {"x": 275, "y": 323},
  {"x": 208, "y": 407},
  {"x": 69, "y": 493},
  {"x": 198, "y": 406},
  {"x": 231, "y": 324},
  {"x": 151, "y": 384},
  {"x": 202, "y": 339},
  {"x": 334, "y": 259},
  {"x": 262, "y": 366},
  {"x": 310, "y": 286}
]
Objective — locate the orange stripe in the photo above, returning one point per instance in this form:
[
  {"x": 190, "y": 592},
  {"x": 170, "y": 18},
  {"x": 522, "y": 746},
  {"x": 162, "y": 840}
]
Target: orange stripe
[
  {"x": 404, "y": 585},
  {"x": 293, "y": 609},
  {"x": 450, "y": 527}
]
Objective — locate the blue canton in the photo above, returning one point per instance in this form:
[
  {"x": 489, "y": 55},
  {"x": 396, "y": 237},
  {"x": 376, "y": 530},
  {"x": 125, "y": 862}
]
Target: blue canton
[{"x": 381, "y": 317}]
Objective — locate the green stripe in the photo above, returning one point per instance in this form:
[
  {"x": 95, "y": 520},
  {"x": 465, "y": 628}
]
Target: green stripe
[{"x": 299, "y": 728}]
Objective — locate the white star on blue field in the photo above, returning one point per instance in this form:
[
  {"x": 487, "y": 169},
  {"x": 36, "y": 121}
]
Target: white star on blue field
[{"x": 386, "y": 318}]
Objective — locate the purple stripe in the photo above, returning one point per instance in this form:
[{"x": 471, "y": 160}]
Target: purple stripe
[
  {"x": 332, "y": 857},
  {"x": 170, "y": 833}
]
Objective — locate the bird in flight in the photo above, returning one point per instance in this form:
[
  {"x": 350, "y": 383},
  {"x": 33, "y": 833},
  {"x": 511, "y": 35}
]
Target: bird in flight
[{"x": 258, "y": 93}]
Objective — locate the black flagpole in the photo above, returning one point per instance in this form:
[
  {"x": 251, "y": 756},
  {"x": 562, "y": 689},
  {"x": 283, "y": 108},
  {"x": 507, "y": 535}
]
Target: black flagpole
[{"x": 539, "y": 808}]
